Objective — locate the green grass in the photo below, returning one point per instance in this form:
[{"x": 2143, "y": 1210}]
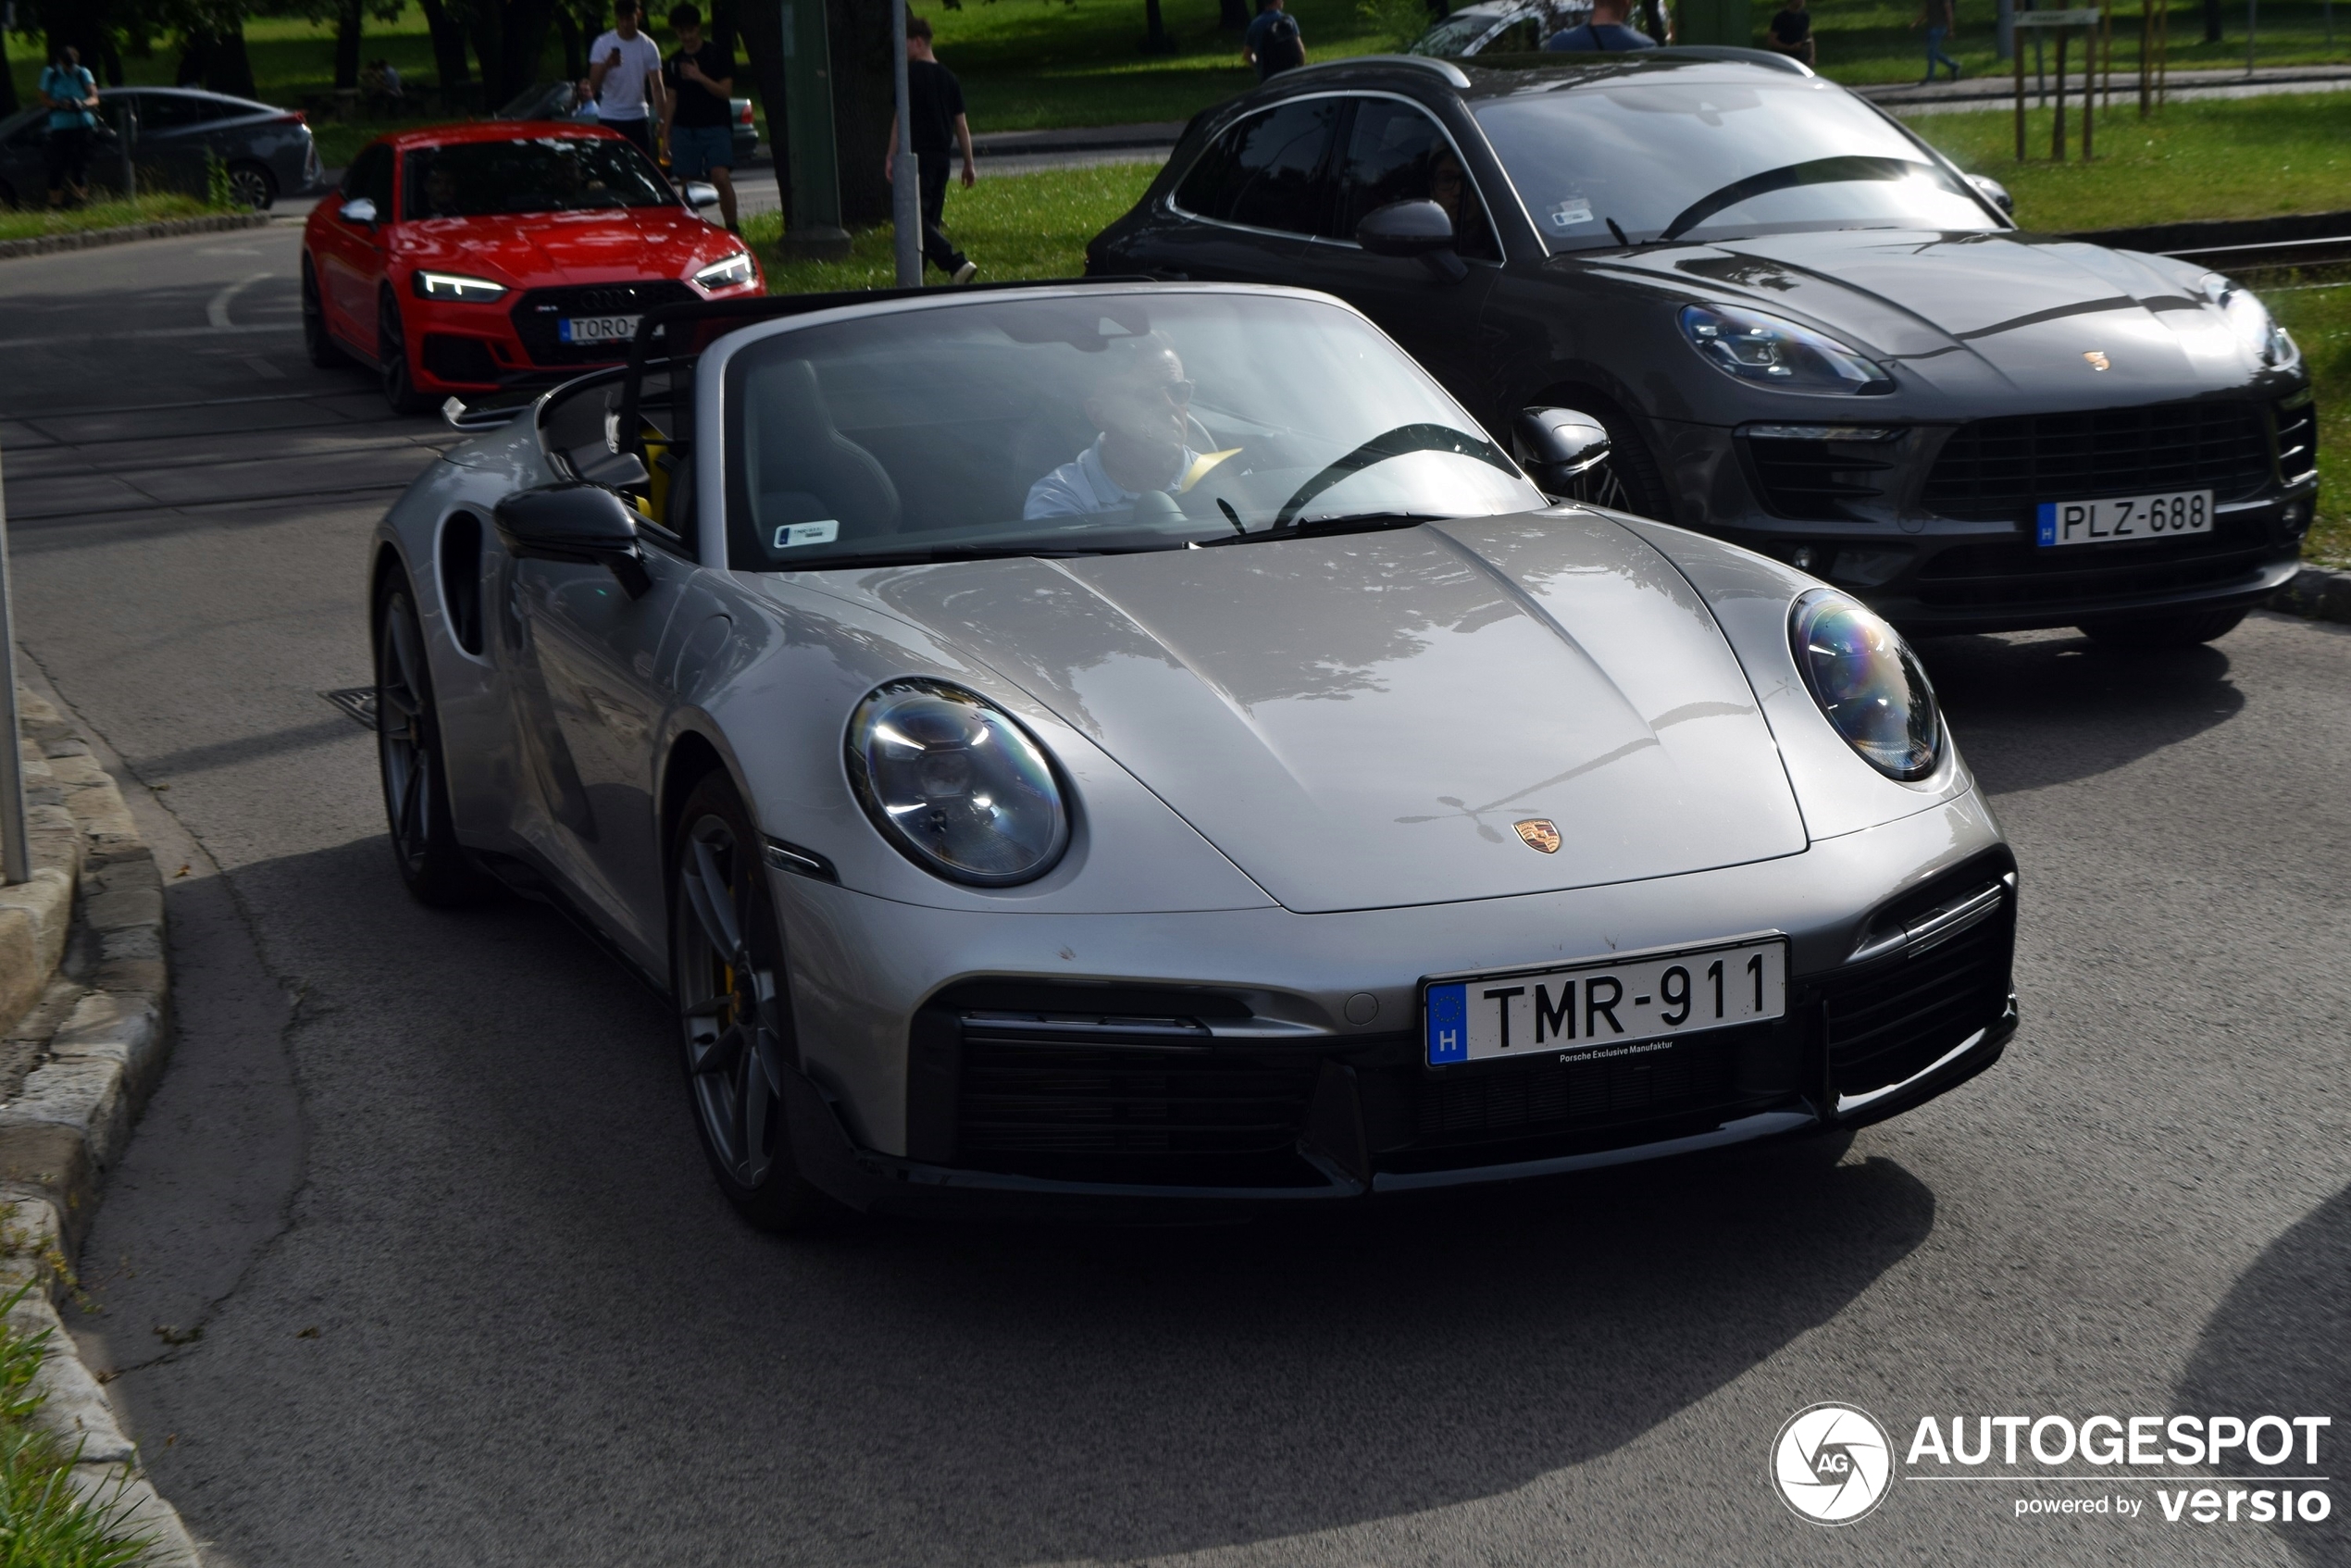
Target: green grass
[
  {"x": 28, "y": 223},
  {"x": 2243, "y": 157},
  {"x": 1014, "y": 226},
  {"x": 1874, "y": 41},
  {"x": 44, "y": 1523}
]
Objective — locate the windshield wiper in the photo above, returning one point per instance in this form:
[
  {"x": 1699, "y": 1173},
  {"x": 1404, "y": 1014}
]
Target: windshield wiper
[{"x": 1350, "y": 522}]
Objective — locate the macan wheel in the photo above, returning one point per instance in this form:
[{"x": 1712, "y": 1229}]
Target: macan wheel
[
  {"x": 325, "y": 353},
  {"x": 734, "y": 1009},
  {"x": 391, "y": 349},
  {"x": 408, "y": 754},
  {"x": 2178, "y": 628},
  {"x": 251, "y": 185}
]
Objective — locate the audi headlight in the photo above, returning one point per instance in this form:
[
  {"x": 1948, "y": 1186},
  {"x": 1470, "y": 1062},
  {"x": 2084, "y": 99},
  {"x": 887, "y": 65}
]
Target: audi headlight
[
  {"x": 726, "y": 272},
  {"x": 2250, "y": 320},
  {"x": 1767, "y": 352},
  {"x": 1868, "y": 682},
  {"x": 456, "y": 286},
  {"x": 955, "y": 785}
]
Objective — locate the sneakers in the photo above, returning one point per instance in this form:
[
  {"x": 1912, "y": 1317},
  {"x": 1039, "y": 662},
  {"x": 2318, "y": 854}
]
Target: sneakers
[{"x": 965, "y": 273}]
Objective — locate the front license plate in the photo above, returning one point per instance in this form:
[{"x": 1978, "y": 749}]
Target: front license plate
[
  {"x": 1602, "y": 1009},
  {"x": 2125, "y": 516},
  {"x": 597, "y": 328}
]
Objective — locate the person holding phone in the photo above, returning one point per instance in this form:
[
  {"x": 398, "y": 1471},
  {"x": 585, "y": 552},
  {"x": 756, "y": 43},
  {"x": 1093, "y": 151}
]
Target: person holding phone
[
  {"x": 698, "y": 80},
  {"x": 624, "y": 77}
]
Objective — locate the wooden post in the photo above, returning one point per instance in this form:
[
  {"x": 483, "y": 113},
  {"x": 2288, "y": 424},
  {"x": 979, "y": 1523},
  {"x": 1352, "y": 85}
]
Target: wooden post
[
  {"x": 2089, "y": 85},
  {"x": 2019, "y": 53},
  {"x": 2057, "y": 133},
  {"x": 2146, "y": 55}
]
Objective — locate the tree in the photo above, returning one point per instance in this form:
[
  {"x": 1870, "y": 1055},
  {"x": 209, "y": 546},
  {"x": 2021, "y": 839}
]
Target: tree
[
  {"x": 448, "y": 54},
  {"x": 864, "y": 102}
]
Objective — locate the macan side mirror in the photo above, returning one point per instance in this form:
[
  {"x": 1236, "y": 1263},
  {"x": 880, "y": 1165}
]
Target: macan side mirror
[
  {"x": 1560, "y": 447},
  {"x": 359, "y": 209},
  {"x": 1413, "y": 229},
  {"x": 577, "y": 522},
  {"x": 701, "y": 194},
  {"x": 1994, "y": 192}
]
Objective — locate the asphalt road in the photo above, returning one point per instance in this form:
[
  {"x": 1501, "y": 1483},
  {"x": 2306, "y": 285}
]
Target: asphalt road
[{"x": 414, "y": 1259}]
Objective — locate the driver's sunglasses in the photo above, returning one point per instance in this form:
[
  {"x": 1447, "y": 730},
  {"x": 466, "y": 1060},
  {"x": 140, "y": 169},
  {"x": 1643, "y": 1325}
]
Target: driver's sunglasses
[{"x": 1177, "y": 392}]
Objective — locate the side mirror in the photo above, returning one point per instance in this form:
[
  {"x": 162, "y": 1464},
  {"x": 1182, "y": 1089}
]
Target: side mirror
[
  {"x": 359, "y": 209},
  {"x": 1560, "y": 446},
  {"x": 576, "y": 522},
  {"x": 701, "y": 194},
  {"x": 1994, "y": 192},
  {"x": 1413, "y": 229}
]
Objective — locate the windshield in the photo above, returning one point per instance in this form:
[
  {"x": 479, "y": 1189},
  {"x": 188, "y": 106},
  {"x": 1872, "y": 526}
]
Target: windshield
[
  {"x": 530, "y": 174},
  {"x": 1455, "y": 34},
  {"x": 1106, "y": 422},
  {"x": 1682, "y": 158}
]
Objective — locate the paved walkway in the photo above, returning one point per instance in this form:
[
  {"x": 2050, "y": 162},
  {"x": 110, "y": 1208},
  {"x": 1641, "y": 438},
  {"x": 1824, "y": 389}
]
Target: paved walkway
[{"x": 1992, "y": 90}]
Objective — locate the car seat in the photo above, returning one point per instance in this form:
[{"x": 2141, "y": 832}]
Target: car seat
[{"x": 802, "y": 468}]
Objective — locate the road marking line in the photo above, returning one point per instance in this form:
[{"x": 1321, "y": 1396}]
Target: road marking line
[
  {"x": 218, "y": 311},
  {"x": 86, "y": 339}
]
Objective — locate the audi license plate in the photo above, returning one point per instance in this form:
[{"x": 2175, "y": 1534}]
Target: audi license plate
[
  {"x": 1596, "y": 1010},
  {"x": 597, "y": 328},
  {"x": 2125, "y": 516}
]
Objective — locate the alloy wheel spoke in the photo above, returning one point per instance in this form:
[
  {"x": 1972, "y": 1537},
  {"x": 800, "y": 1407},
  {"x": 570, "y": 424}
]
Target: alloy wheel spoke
[
  {"x": 409, "y": 827},
  {"x": 754, "y": 1096},
  {"x": 714, "y": 906},
  {"x": 715, "y": 1050}
]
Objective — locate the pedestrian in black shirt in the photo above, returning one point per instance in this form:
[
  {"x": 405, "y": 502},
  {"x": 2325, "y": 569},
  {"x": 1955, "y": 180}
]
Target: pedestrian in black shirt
[
  {"x": 698, "y": 130},
  {"x": 935, "y": 102},
  {"x": 1792, "y": 31}
]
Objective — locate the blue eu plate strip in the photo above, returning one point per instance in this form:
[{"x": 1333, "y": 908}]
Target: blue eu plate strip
[
  {"x": 1447, "y": 1024},
  {"x": 2047, "y": 530},
  {"x": 563, "y": 334}
]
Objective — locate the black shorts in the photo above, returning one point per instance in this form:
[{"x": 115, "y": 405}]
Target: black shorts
[
  {"x": 638, "y": 131},
  {"x": 69, "y": 157}
]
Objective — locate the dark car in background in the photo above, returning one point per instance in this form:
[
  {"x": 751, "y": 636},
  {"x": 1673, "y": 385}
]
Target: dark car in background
[
  {"x": 1802, "y": 329},
  {"x": 556, "y": 100},
  {"x": 178, "y": 135}
]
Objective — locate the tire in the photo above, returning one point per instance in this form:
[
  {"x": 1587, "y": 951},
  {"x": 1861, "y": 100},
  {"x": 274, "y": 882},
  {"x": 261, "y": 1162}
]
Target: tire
[
  {"x": 1630, "y": 481},
  {"x": 392, "y": 348},
  {"x": 251, "y": 186},
  {"x": 734, "y": 1011},
  {"x": 2181, "y": 629},
  {"x": 408, "y": 760},
  {"x": 325, "y": 353}
]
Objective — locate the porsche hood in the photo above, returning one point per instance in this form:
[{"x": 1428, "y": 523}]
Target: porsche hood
[{"x": 1465, "y": 710}]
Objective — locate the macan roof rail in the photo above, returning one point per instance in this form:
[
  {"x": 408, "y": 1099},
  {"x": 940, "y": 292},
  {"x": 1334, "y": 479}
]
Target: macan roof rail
[{"x": 1444, "y": 69}]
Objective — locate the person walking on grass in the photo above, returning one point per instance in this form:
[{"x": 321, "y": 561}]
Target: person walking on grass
[
  {"x": 1936, "y": 16},
  {"x": 1791, "y": 32},
  {"x": 935, "y": 102},
  {"x": 70, "y": 94},
  {"x": 624, "y": 77},
  {"x": 1273, "y": 42},
  {"x": 698, "y": 80}
]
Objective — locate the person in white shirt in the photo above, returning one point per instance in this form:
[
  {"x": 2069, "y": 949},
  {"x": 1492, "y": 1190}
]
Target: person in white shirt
[
  {"x": 1142, "y": 405},
  {"x": 624, "y": 77}
]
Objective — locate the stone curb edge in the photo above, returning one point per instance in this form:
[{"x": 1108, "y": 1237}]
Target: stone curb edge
[
  {"x": 69, "y": 1123},
  {"x": 162, "y": 229},
  {"x": 2318, "y": 592}
]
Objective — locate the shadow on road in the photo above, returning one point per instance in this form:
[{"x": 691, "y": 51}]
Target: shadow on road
[
  {"x": 2052, "y": 707},
  {"x": 2277, "y": 1348}
]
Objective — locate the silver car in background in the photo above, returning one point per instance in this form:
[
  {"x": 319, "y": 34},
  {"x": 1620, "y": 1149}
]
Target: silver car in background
[{"x": 1146, "y": 745}]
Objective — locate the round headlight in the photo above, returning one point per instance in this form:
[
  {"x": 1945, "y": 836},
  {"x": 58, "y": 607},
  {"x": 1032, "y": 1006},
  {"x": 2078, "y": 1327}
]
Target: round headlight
[
  {"x": 955, "y": 785},
  {"x": 1868, "y": 683}
]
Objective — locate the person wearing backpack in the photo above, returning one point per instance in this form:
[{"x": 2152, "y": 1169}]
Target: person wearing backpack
[
  {"x": 1273, "y": 44},
  {"x": 69, "y": 91}
]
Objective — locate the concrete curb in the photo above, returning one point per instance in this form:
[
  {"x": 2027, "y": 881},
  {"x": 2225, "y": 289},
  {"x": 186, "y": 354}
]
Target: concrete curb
[
  {"x": 162, "y": 229},
  {"x": 2319, "y": 592},
  {"x": 65, "y": 1127}
]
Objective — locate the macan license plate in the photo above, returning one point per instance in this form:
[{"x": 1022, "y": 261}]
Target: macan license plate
[
  {"x": 2125, "y": 516},
  {"x": 597, "y": 328},
  {"x": 1593, "y": 1010}
]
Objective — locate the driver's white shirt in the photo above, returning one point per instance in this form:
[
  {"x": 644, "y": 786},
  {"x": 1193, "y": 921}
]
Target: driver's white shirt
[{"x": 1083, "y": 487}]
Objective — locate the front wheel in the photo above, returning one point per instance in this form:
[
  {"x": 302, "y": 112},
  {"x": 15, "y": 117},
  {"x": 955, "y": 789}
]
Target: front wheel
[
  {"x": 324, "y": 352},
  {"x": 392, "y": 347},
  {"x": 251, "y": 186},
  {"x": 734, "y": 1012},
  {"x": 415, "y": 784},
  {"x": 2181, "y": 629}
]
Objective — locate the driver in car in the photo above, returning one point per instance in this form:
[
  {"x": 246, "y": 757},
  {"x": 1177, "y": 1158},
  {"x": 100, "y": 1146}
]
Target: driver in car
[
  {"x": 1142, "y": 405},
  {"x": 440, "y": 191}
]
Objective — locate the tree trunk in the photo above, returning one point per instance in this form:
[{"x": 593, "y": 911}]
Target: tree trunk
[
  {"x": 864, "y": 101},
  {"x": 525, "y": 40},
  {"x": 1233, "y": 15},
  {"x": 215, "y": 60},
  {"x": 448, "y": 54},
  {"x": 1155, "y": 39},
  {"x": 2212, "y": 21},
  {"x": 348, "y": 26},
  {"x": 483, "y": 32},
  {"x": 575, "y": 46},
  {"x": 9, "y": 104},
  {"x": 759, "y": 27}
]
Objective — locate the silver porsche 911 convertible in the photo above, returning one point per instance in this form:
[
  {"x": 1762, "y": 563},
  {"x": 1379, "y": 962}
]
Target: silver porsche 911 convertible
[{"x": 1137, "y": 744}]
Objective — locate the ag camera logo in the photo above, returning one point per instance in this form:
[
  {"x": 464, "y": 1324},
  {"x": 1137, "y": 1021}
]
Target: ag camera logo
[{"x": 1832, "y": 1463}]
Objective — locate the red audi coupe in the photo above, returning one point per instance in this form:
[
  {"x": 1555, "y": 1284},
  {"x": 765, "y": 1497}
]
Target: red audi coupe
[{"x": 469, "y": 258}]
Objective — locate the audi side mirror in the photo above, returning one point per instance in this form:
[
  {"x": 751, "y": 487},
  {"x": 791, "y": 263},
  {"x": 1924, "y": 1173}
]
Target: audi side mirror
[
  {"x": 701, "y": 194},
  {"x": 359, "y": 209},
  {"x": 1560, "y": 447},
  {"x": 1994, "y": 192},
  {"x": 1413, "y": 229},
  {"x": 576, "y": 522}
]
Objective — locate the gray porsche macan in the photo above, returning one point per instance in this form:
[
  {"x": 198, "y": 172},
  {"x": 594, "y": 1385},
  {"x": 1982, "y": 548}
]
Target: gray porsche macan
[
  {"x": 1148, "y": 745},
  {"x": 1802, "y": 327}
]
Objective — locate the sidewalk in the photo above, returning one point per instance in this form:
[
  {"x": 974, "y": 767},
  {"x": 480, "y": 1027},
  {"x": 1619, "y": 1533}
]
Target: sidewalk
[{"x": 1976, "y": 93}]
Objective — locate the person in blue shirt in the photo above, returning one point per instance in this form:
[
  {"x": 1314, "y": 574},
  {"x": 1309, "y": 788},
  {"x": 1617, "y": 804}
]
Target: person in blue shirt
[
  {"x": 69, "y": 93},
  {"x": 1605, "y": 33}
]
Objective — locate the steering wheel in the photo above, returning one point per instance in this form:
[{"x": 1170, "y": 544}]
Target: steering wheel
[{"x": 1396, "y": 442}]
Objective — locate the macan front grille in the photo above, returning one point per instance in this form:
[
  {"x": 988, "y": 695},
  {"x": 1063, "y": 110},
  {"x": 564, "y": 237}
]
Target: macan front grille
[
  {"x": 1904, "y": 1014},
  {"x": 2003, "y": 468},
  {"x": 536, "y": 316}
]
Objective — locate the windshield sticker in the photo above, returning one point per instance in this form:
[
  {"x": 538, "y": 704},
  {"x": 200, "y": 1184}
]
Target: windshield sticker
[
  {"x": 792, "y": 534},
  {"x": 1571, "y": 213}
]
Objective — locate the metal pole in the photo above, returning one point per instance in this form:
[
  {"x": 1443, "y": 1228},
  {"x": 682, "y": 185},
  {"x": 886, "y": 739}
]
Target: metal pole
[
  {"x": 2019, "y": 61},
  {"x": 16, "y": 848},
  {"x": 2146, "y": 55},
  {"x": 2089, "y": 91},
  {"x": 2005, "y": 31},
  {"x": 905, "y": 179},
  {"x": 130, "y": 132}
]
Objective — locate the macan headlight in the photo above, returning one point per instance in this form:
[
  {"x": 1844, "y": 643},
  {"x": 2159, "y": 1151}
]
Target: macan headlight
[
  {"x": 1868, "y": 682},
  {"x": 726, "y": 272},
  {"x": 1765, "y": 350},
  {"x": 2263, "y": 339},
  {"x": 955, "y": 785},
  {"x": 456, "y": 286}
]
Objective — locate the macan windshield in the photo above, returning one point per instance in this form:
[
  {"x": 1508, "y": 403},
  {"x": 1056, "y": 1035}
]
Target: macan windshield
[
  {"x": 1678, "y": 156},
  {"x": 530, "y": 174},
  {"x": 1089, "y": 424}
]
